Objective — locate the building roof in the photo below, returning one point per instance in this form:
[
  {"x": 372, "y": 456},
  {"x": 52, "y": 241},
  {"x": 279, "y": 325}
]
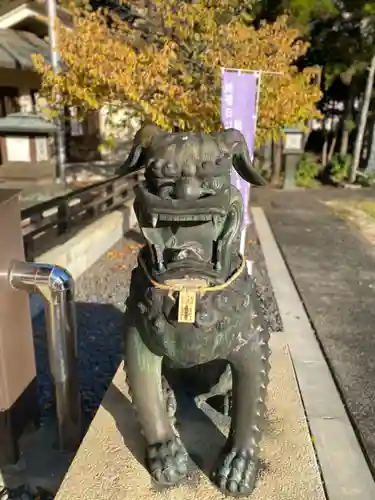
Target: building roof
[
  {"x": 17, "y": 47},
  {"x": 26, "y": 122},
  {"x": 14, "y": 11}
]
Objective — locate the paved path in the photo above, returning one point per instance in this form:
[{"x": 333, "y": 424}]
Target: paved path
[{"x": 334, "y": 270}]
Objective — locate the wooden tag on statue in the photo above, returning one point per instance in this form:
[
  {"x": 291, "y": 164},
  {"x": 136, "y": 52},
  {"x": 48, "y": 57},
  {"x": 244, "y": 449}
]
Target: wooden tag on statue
[{"x": 186, "y": 306}]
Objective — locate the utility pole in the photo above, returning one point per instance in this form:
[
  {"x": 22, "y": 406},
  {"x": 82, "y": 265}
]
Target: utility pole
[
  {"x": 363, "y": 121},
  {"x": 55, "y": 63}
]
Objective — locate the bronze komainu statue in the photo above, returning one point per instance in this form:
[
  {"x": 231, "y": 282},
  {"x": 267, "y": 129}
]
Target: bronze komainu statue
[{"x": 192, "y": 300}]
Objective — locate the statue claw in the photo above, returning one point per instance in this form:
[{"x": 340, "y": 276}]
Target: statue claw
[
  {"x": 237, "y": 473},
  {"x": 167, "y": 462}
]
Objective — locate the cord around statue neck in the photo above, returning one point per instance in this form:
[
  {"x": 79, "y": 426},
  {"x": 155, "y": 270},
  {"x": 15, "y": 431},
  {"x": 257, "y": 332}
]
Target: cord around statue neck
[{"x": 181, "y": 284}]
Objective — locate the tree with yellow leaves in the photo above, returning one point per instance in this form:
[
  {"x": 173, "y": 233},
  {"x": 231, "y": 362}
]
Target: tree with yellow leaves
[{"x": 166, "y": 65}]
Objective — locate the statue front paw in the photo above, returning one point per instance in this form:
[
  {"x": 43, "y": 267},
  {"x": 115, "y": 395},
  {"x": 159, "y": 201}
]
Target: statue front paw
[
  {"x": 167, "y": 462},
  {"x": 237, "y": 473}
]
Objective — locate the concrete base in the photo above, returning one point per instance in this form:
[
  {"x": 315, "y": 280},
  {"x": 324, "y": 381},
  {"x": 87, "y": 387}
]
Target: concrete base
[{"x": 109, "y": 463}]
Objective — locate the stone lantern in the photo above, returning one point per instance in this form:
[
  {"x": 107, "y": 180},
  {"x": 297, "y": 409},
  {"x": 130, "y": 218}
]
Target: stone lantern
[{"x": 292, "y": 152}]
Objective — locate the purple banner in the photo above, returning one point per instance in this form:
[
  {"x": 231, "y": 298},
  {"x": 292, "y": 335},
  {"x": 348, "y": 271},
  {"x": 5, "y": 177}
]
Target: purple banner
[{"x": 238, "y": 110}]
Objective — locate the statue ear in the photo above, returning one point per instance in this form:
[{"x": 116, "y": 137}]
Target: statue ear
[
  {"x": 131, "y": 164},
  {"x": 236, "y": 144},
  {"x": 142, "y": 140},
  {"x": 134, "y": 156}
]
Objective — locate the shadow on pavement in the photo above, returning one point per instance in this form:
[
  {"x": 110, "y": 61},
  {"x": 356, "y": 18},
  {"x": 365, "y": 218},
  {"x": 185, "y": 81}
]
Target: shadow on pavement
[{"x": 100, "y": 341}]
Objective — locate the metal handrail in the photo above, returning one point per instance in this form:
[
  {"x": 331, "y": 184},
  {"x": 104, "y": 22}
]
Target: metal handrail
[{"x": 56, "y": 286}]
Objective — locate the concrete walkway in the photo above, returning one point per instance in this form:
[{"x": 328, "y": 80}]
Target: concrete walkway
[{"x": 333, "y": 267}]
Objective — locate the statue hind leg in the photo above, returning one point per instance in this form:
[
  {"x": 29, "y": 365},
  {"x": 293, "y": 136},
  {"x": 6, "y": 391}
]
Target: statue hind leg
[
  {"x": 166, "y": 457},
  {"x": 237, "y": 471}
]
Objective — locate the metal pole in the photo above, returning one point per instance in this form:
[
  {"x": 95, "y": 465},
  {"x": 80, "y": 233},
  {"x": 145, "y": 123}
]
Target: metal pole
[
  {"x": 55, "y": 63},
  {"x": 251, "y": 71},
  {"x": 56, "y": 286}
]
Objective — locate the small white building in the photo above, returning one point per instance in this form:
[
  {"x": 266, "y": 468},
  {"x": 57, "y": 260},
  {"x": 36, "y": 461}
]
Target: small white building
[{"x": 23, "y": 32}]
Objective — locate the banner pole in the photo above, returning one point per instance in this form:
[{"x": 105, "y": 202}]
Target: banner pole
[
  {"x": 244, "y": 229},
  {"x": 258, "y": 99}
]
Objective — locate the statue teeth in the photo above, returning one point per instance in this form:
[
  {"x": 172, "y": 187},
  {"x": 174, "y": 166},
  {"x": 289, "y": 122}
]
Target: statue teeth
[
  {"x": 154, "y": 220},
  {"x": 216, "y": 220}
]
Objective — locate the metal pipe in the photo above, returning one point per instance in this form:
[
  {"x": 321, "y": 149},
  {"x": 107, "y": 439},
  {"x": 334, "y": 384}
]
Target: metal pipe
[
  {"x": 56, "y": 286},
  {"x": 55, "y": 63}
]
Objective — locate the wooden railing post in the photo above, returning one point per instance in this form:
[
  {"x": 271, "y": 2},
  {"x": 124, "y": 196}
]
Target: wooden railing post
[{"x": 18, "y": 387}]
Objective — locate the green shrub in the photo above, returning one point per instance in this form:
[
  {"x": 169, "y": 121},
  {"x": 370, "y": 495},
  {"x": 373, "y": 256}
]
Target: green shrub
[
  {"x": 307, "y": 171},
  {"x": 366, "y": 179},
  {"x": 339, "y": 168}
]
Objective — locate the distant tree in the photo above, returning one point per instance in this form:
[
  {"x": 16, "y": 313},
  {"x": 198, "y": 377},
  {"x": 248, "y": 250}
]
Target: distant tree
[
  {"x": 301, "y": 13},
  {"x": 165, "y": 62}
]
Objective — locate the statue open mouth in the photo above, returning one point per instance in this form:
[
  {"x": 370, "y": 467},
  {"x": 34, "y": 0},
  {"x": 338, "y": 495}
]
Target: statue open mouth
[
  {"x": 173, "y": 228},
  {"x": 188, "y": 251},
  {"x": 155, "y": 210}
]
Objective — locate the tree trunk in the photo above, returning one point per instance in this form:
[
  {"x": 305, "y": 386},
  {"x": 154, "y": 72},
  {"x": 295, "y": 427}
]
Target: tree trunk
[
  {"x": 347, "y": 115},
  {"x": 277, "y": 160},
  {"x": 324, "y": 152},
  {"x": 311, "y": 121},
  {"x": 344, "y": 140},
  {"x": 363, "y": 121},
  {"x": 325, "y": 144},
  {"x": 332, "y": 147}
]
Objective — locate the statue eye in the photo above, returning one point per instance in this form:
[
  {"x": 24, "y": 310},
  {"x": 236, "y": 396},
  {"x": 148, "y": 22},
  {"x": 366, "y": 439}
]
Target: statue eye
[
  {"x": 158, "y": 164},
  {"x": 207, "y": 167},
  {"x": 189, "y": 170},
  {"x": 169, "y": 170}
]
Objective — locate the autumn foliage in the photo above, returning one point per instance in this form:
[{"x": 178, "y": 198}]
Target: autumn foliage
[{"x": 167, "y": 65}]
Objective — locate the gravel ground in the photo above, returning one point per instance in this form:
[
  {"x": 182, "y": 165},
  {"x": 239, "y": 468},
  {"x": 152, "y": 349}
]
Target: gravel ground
[
  {"x": 264, "y": 287},
  {"x": 263, "y": 284}
]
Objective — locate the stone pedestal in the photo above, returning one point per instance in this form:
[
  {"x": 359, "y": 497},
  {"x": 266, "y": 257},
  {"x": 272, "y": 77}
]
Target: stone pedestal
[{"x": 291, "y": 161}]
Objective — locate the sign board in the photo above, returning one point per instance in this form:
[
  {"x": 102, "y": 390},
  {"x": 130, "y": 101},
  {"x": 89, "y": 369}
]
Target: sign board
[
  {"x": 239, "y": 111},
  {"x": 18, "y": 149}
]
